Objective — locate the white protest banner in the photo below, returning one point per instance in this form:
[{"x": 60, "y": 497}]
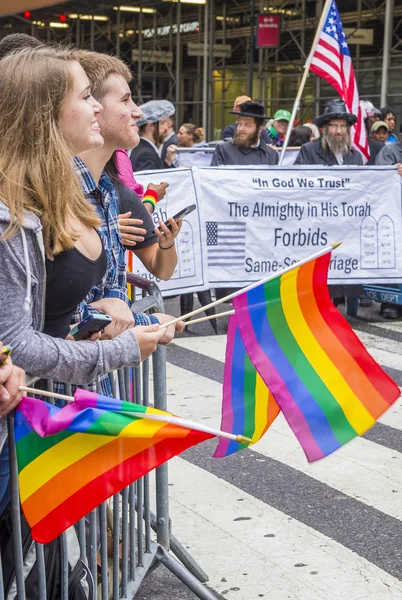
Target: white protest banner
[
  {"x": 191, "y": 271},
  {"x": 260, "y": 220}
]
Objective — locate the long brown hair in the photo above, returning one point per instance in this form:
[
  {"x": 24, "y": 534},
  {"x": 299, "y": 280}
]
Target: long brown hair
[{"x": 36, "y": 172}]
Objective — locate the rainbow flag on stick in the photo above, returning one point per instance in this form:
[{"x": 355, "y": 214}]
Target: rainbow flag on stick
[
  {"x": 71, "y": 459},
  {"x": 327, "y": 385},
  {"x": 248, "y": 406}
]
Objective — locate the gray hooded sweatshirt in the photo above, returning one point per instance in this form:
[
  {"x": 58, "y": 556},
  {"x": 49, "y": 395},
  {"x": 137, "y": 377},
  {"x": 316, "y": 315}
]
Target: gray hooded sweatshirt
[{"x": 22, "y": 301}]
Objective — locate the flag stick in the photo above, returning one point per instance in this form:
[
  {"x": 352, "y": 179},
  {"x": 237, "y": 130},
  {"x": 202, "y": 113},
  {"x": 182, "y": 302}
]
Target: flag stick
[
  {"x": 241, "y": 439},
  {"x": 253, "y": 285},
  {"x": 228, "y": 313},
  {"x": 306, "y": 67}
]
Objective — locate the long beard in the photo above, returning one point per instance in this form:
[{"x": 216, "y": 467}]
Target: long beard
[
  {"x": 338, "y": 146},
  {"x": 244, "y": 143}
]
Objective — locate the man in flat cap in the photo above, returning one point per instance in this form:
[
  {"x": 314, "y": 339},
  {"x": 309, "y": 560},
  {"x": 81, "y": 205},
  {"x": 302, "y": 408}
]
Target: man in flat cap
[
  {"x": 247, "y": 147},
  {"x": 335, "y": 145},
  {"x": 146, "y": 155}
]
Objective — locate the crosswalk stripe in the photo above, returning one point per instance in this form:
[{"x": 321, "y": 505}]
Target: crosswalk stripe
[{"x": 251, "y": 550}]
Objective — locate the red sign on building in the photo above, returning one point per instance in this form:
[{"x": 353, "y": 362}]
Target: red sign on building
[{"x": 268, "y": 30}]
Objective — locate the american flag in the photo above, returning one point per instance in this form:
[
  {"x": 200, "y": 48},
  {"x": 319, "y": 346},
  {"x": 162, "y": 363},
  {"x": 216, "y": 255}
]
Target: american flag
[
  {"x": 226, "y": 244},
  {"x": 331, "y": 60}
]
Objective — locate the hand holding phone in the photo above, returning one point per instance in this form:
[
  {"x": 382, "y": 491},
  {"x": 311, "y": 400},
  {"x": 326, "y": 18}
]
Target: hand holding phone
[
  {"x": 180, "y": 215},
  {"x": 90, "y": 325}
]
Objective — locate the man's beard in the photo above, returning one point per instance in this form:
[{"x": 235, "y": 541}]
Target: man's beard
[
  {"x": 246, "y": 142},
  {"x": 338, "y": 146}
]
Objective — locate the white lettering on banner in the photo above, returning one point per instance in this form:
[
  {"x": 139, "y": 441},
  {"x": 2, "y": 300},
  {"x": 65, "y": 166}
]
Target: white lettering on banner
[
  {"x": 284, "y": 215},
  {"x": 191, "y": 272},
  {"x": 252, "y": 222}
]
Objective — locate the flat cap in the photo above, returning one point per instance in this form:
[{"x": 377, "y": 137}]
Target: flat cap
[{"x": 155, "y": 110}]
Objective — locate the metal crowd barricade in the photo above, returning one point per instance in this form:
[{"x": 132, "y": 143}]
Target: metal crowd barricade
[{"x": 123, "y": 540}]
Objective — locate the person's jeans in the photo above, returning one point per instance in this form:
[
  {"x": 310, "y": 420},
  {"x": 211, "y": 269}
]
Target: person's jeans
[{"x": 5, "y": 487}]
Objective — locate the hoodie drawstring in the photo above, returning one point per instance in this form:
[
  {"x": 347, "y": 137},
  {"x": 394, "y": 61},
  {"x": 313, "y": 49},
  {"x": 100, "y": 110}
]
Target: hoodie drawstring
[{"x": 28, "y": 297}]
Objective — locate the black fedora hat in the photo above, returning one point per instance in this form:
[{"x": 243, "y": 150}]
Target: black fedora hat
[
  {"x": 250, "y": 109},
  {"x": 335, "y": 109}
]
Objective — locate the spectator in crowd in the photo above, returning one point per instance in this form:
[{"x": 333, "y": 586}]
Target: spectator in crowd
[
  {"x": 379, "y": 132},
  {"x": 33, "y": 142},
  {"x": 300, "y": 135},
  {"x": 388, "y": 115},
  {"x": 167, "y": 136},
  {"x": 190, "y": 135},
  {"x": 145, "y": 156},
  {"x": 391, "y": 154},
  {"x": 109, "y": 78},
  {"x": 370, "y": 115},
  {"x": 17, "y": 41},
  {"x": 314, "y": 130},
  {"x": 277, "y": 131},
  {"x": 335, "y": 147},
  {"x": 247, "y": 147},
  {"x": 230, "y": 130}
]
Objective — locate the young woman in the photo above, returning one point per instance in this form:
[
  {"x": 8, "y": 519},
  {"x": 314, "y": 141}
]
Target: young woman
[{"x": 47, "y": 115}]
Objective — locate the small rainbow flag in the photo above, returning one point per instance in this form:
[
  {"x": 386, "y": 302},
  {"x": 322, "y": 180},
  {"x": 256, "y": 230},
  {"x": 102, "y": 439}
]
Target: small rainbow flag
[
  {"x": 327, "y": 385},
  {"x": 248, "y": 406},
  {"x": 71, "y": 459}
]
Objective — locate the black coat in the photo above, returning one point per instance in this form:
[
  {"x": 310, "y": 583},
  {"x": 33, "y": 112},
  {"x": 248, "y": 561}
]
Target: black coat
[
  {"x": 144, "y": 157},
  {"x": 313, "y": 153},
  {"x": 375, "y": 149},
  {"x": 390, "y": 154},
  {"x": 230, "y": 130},
  {"x": 174, "y": 140},
  {"x": 228, "y": 154}
]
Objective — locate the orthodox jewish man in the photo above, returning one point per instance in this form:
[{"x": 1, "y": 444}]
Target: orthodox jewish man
[
  {"x": 246, "y": 147},
  {"x": 335, "y": 145}
]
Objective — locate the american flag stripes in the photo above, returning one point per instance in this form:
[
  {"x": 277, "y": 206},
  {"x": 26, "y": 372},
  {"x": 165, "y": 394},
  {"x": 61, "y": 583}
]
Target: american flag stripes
[
  {"x": 331, "y": 60},
  {"x": 226, "y": 243}
]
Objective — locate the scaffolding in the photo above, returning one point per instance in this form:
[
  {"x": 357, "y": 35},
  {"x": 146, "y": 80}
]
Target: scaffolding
[{"x": 201, "y": 56}]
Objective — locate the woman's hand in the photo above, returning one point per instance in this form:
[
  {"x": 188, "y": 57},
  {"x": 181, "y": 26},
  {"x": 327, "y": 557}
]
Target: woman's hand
[
  {"x": 11, "y": 377},
  {"x": 169, "y": 331},
  {"x": 148, "y": 338},
  {"x": 167, "y": 238},
  {"x": 130, "y": 231}
]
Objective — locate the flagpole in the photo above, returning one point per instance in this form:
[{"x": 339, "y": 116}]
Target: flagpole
[
  {"x": 253, "y": 285},
  {"x": 208, "y": 318},
  {"x": 241, "y": 439},
  {"x": 296, "y": 104}
]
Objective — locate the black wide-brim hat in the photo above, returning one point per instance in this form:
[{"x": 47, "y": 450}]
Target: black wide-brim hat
[
  {"x": 250, "y": 109},
  {"x": 335, "y": 109}
]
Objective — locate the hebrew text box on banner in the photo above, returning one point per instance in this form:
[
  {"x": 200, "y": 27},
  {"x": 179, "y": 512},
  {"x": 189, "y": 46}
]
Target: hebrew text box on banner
[
  {"x": 258, "y": 221},
  {"x": 191, "y": 271}
]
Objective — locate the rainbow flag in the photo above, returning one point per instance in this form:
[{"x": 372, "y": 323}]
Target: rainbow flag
[
  {"x": 248, "y": 406},
  {"x": 71, "y": 459},
  {"x": 327, "y": 385}
]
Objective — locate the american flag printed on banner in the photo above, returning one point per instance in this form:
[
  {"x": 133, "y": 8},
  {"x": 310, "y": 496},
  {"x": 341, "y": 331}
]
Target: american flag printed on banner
[
  {"x": 331, "y": 60},
  {"x": 226, "y": 244}
]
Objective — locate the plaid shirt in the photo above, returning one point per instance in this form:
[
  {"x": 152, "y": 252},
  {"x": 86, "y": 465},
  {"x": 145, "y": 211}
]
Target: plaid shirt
[{"x": 114, "y": 284}]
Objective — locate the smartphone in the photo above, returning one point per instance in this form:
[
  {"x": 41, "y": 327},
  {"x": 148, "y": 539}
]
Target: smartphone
[
  {"x": 179, "y": 215},
  {"x": 4, "y": 354},
  {"x": 89, "y": 325}
]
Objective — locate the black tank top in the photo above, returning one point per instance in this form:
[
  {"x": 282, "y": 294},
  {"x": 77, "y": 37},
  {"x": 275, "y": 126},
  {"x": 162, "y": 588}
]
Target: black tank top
[{"x": 70, "y": 276}]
